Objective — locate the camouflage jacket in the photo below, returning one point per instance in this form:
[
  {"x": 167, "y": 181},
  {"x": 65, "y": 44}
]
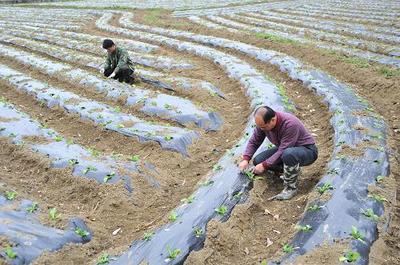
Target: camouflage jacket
[{"x": 118, "y": 60}]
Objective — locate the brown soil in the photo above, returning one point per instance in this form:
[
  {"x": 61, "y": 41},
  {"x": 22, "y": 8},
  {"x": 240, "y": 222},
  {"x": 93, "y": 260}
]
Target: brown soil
[
  {"x": 369, "y": 82},
  {"x": 246, "y": 237}
]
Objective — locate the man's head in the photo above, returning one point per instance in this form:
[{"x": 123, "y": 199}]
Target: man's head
[
  {"x": 109, "y": 45},
  {"x": 265, "y": 118}
]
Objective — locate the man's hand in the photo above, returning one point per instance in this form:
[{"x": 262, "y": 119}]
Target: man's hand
[
  {"x": 259, "y": 169},
  {"x": 112, "y": 75},
  {"x": 243, "y": 165}
]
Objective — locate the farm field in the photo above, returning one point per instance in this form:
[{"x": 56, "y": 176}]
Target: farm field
[{"x": 94, "y": 171}]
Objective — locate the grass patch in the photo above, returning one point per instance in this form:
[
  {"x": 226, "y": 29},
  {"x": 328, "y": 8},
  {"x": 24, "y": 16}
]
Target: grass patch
[
  {"x": 389, "y": 71},
  {"x": 274, "y": 38},
  {"x": 358, "y": 62},
  {"x": 153, "y": 15}
]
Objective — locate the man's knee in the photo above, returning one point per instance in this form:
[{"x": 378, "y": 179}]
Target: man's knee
[{"x": 289, "y": 157}]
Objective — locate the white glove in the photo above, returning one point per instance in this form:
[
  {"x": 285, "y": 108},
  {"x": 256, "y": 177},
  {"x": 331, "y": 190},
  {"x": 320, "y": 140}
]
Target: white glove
[{"x": 112, "y": 75}]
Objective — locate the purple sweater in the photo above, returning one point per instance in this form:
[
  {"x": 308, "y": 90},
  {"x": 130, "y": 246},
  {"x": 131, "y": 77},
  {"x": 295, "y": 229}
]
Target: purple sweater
[{"x": 288, "y": 132}]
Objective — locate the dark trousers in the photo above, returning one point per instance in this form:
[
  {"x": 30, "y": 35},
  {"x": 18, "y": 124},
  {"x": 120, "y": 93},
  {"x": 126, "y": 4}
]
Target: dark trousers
[
  {"x": 123, "y": 75},
  {"x": 303, "y": 155}
]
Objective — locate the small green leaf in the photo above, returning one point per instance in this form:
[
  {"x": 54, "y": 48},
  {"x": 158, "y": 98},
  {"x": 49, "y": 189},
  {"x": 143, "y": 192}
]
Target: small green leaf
[
  {"x": 288, "y": 248},
  {"x": 198, "y": 232},
  {"x": 172, "y": 254},
  {"x": 10, "y": 253},
  {"x": 103, "y": 259},
  {"x": 172, "y": 216},
  {"x": 32, "y": 208},
  {"x": 168, "y": 138},
  {"x": 108, "y": 177},
  {"x": 80, "y": 232},
  {"x": 222, "y": 210},
  {"x": 134, "y": 158},
  {"x": 324, "y": 188},
  {"x": 350, "y": 256},
  {"x": 148, "y": 236},
  {"x": 10, "y": 195},
  {"x": 53, "y": 214}
]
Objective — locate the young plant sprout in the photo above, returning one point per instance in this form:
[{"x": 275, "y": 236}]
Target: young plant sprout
[
  {"x": 10, "y": 253},
  {"x": 314, "y": 208},
  {"x": 11, "y": 195},
  {"x": 93, "y": 152},
  {"x": 168, "y": 106},
  {"x": 237, "y": 195},
  {"x": 356, "y": 234},
  {"x": 32, "y": 208},
  {"x": 369, "y": 213},
  {"x": 88, "y": 169},
  {"x": 207, "y": 183},
  {"x": 377, "y": 198},
  {"x": 198, "y": 232},
  {"x": 189, "y": 199},
  {"x": 324, "y": 188},
  {"x": 134, "y": 158},
  {"x": 73, "y": 162},
  {"x": 217, "y": 167},
  {"x": 103, "y": 259},
  {"x": 222, "y": 210},
  {"x": 58, "y": 138},
  {"x": 69, "y": 142},
  {"x": 120, "y": 126},
  {"x": 108, "y": 177},
  {"x": 333, "y": 171},
  {"x": 379, "y": 179},
  {"x": 168, "y": 138},
  {"x": 304, "y": 228},
  {"x": 350, "y": 256},
  {"x": 80, "y": 232},
  {"x": 53, "y": 214},
  {"x": 172, "y": 216},
  {"x": 117, "y": 109},
  {"x": 148, "y": 236},
  {"x": 288, "y": 248},
  {"x": 173, "y": 253},
  {"x": 252, "y": 177}
]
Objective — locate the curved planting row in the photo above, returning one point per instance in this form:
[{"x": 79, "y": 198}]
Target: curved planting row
[
  {"x": 379, "y": 34},
  {"x": 181, "y": 84},
  {"x": 160, "y": 62},
  {"x": 333, "y": 16},
  {"x": 45, "y": 34},
  {"x": 28, "y": 236},
  {"x": 21, "y": 129},
  {"x": 162, "y": 105},
  {"x": 355, "y": 124},
  {"x": 168, "y": 137},
  {"x": 370, "y": 7},
  {"x": 300, "y": 32},
  {"x": 288, "y": 35},
  {"x": 222, "y": 188},
  {"x": 39, "y": 24}
]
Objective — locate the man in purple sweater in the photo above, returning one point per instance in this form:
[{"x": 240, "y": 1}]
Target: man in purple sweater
[{"x": 294, "y": 147}]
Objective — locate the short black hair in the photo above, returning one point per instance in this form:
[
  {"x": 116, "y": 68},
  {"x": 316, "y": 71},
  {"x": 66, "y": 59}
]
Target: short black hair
[
  {"x": 107, "y": 43},
  {"x": 268, "y": 113}
]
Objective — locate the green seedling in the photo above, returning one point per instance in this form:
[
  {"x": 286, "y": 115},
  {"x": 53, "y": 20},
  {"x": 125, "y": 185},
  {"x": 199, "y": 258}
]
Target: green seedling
[
  {"x": 304, "y": 228},
  {"x": 324, "y": 188},
  {"x": 189, "y": 199},
  {"x": 379, "y": 179},
  {"x": 32, "y": 208},
  {"x": 389, "y": 72},
  {"x": 10, "y": 195},
  {"x": 80, "y": 232},
  {"x": 168, "y": 138},
  {"x": 168, "y": 106},
  {"x": 350, "y": 256},
  {"x": 198, "y": 232},
  {"x": 252, "y": 176},
  {"x": 88, "y": 169},
  {"x": 356, "y": 234},
  {"x": 288, "y": 248},
  {"x": 153, "y": 103},
  {"x": 108, "y": 177},
  {"x": 207, "y": 183},
  {"x": 264, "y": 262},
  {"x": 58, "y": 138},
  {"x": 93, "y": 152},
  {"x": 73, "y": 162},
  {"x": 314, "y": 208},
  {"x": 369, "y": 213},
  {"x": 377, "y": 197},
  {"x": 172, "y": 216},
  {"x": 237, "y": 195},
  {"x": 148, "y": 236},
  {"x": 120, "y": 126},
  {"x": 117, "y": 109},
  {"x": 103, "y": 259},
  {"x": 333, "y": 171},
  {"x": 217, "y": 167},
  {"x": 274, "y": 38},
  {"x": 69, "y": 142},
  {"x": 173, "y": 253},
  {"x": 134, "y": 158},
  {"x": 10, "y": 253},
  {"x": 222, "y": 210},
  {"x": 53, "y": 214},
  {"x": 359, "y": 62}
]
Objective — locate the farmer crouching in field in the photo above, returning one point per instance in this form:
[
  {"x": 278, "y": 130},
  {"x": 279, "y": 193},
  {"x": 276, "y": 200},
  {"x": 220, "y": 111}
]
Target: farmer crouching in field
[
  {"x": 294, "y": 147},
  {"x": 118, "y": 64}
]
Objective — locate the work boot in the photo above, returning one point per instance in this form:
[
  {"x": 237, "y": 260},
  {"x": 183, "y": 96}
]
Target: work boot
[{"x": 290, "y": 176}]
